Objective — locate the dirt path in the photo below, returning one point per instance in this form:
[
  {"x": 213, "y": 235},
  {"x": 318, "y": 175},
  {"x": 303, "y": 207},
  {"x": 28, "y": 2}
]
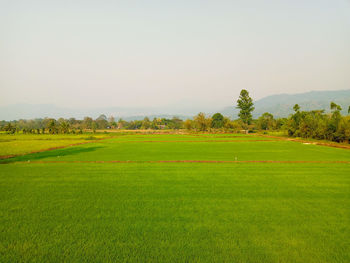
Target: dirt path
[
  {"x": 186, "y": 161},
  {"x": 200, "y": 141}
]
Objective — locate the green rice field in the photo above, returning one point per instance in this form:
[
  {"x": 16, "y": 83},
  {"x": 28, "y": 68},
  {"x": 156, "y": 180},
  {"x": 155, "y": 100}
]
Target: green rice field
[{"x": 173, "y": 198}]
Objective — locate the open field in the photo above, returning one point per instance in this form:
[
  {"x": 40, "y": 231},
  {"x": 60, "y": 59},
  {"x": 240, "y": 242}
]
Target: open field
[{"x": 177, "y": 198}]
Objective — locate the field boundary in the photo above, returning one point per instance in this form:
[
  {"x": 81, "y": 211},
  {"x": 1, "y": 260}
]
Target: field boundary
[
  {"x": 276, "y": 138},
  {"x": 201, "y": 141},
  {"x": 180, "y": 161}
]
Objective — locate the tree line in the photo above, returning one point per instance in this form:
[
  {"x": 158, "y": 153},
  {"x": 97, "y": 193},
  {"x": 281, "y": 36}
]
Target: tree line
[
  {"x": 72, "y": 125},
  {"x": 316, "y": 124}
]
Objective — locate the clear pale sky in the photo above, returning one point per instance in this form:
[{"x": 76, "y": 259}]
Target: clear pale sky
[{"x": 157, "y": 53}]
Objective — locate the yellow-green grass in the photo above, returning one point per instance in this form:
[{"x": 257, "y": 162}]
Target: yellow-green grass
[
  {"x": 177, "y": 212},
  {"x": 19, "y": 144}
]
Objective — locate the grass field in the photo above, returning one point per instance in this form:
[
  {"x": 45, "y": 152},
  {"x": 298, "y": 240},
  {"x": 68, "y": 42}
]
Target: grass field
[{"x": 133, "y": 198}]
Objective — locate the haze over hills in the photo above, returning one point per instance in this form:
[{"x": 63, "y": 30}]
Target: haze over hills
[{"x": 280, "y": 105}]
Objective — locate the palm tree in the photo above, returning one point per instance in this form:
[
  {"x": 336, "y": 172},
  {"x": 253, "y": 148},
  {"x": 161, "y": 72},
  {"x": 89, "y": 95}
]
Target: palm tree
[
  {"x": 64, "y": 126},
  {"x": 9, "y": 128},
  {"x": 51, "y": 126}
]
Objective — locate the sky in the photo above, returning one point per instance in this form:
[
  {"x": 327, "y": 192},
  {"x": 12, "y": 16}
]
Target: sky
[{"x": 163, "y": 53}]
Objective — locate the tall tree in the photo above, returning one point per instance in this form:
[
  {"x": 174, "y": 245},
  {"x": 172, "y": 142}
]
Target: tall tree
[
  {"x": 246, "y": 106},
  {"x": 87, "y": 122},
  {"x": 217, "y": 120},
  {"x": 102, "y": 122},
  {"x": 335, "y": 107},
  {"x": 296, "y": 107},
  {"x": 336, "y": 116}
]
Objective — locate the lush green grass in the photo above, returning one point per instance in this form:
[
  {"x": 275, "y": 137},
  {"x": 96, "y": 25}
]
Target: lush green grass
[
  {"x": 179, "y": 212},
  {"x": 184, "y": 147},
  {"x": 19, "y": 144}
]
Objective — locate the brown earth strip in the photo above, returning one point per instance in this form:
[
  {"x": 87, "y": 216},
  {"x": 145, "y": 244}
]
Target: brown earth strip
[
  {"x": 187, "y": 161},
  {"x": 202, "y": 141},
  {"x": 207, "y": 135}
]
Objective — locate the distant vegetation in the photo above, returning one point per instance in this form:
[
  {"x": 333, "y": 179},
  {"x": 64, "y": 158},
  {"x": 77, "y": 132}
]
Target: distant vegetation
[
  {"x": 314, "y": 124},
  {"x": 281, "y": 105}
]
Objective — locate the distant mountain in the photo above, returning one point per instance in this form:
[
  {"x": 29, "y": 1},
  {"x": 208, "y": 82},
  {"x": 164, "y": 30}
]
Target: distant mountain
[
  {"x": 32, "y": 111},
  {"x": 281, "y": 105}
]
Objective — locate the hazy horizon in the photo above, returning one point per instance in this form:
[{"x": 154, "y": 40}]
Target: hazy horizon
[
  {"x": 232, "y": 103},
  {"x": 161, "y": 53}
]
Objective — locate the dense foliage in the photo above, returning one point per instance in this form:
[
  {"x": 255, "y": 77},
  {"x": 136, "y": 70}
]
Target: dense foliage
[
  {"x": 319, "y": 125},
  {"x": 72, "y": 125}
]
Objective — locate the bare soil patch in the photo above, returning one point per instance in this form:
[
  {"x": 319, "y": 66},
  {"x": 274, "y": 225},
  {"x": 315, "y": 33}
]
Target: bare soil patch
[{"x": 186, "y": 161}]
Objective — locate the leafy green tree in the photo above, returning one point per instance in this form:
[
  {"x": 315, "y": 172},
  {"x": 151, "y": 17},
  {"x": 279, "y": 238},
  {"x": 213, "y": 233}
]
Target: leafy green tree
[
  {"x": 296, "y": 108},
  {"x": 146, "y": 123},
  {"x": 102, "y": 122},
  {"x": 134, "y": 125},
  {"x": 175, "y": 123},
  {"x": 294, "y": 121},
  {"x": 72, "y": 121},
  {"x": 87, "y": 123},
  {"x": 217, "y": 121},
  {"x": 246, "y": 106},
  {"x": 266, "y": 121},
  {"x": 335, "y": 107},
  {"x": 281, "y": 123}
]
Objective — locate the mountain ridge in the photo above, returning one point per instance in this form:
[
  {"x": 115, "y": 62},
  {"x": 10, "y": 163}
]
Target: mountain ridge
[{"x": 280, "y": 105}]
